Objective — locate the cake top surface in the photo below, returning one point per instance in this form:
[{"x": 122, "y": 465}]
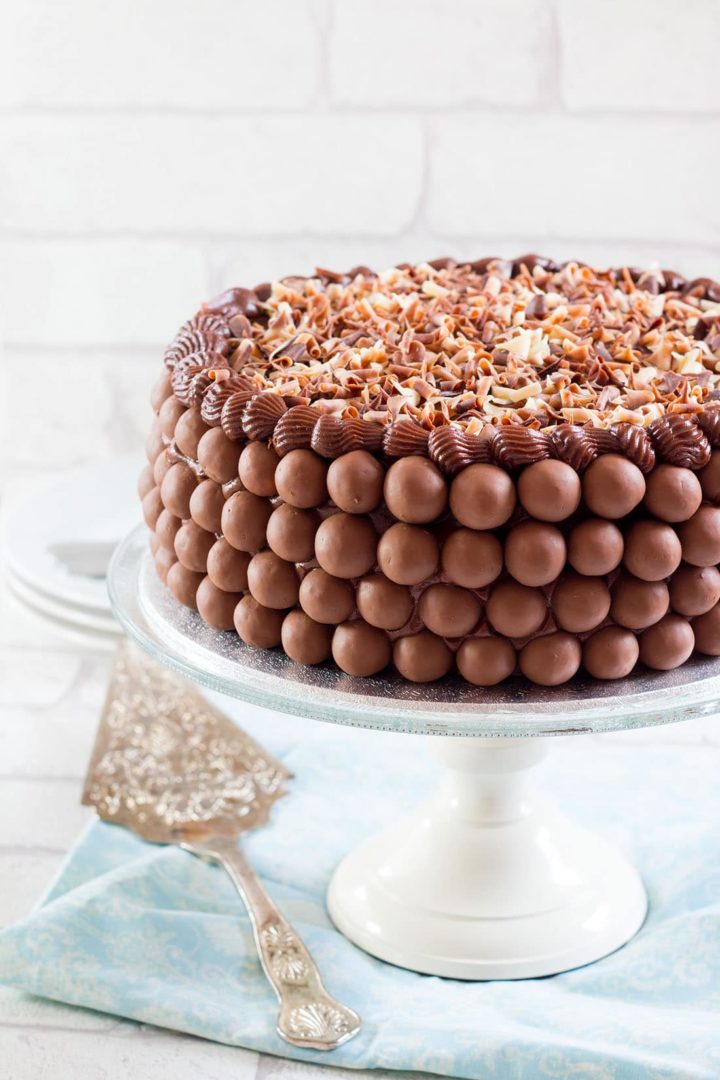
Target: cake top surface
[{"x": 528, "y": 342}]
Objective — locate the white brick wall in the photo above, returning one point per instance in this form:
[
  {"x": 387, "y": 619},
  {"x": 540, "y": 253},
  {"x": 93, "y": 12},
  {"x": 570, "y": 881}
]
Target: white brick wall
[{"x": 152, "y": 154}]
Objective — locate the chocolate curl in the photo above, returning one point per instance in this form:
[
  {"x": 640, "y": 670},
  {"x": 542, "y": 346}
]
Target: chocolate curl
[
  {"x": 405, "y": 438},
  {"x": 679, "y": 440},
  {"x": 334, "y": 436},
  {"x": 514, "y": 447},
  {"x": 261, "y": 415},
  {"x": 452, "y": 449},
  {"x": 294, "y": 429}
]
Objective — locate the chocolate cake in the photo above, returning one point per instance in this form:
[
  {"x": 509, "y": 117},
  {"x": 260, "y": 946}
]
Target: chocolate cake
[{"x": 494, "y": 467}]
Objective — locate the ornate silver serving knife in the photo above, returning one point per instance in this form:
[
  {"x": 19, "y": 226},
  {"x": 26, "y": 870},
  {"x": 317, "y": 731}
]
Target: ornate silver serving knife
[{"x": 176, "y": 771}]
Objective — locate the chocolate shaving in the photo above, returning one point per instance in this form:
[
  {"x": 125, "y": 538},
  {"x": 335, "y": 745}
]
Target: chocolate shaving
[
  {"x": 262, "y": 414},
  {"x": 334, "y": 436},
  {"x": 679, "y": 440},
  {"x": 294, "y": 429}
]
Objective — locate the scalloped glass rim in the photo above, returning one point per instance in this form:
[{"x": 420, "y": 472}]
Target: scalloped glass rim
[{"x": 218, "y": 660}]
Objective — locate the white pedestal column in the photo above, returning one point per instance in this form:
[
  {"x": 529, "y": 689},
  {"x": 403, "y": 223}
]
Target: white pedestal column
[{"x": 486, "y": 880}]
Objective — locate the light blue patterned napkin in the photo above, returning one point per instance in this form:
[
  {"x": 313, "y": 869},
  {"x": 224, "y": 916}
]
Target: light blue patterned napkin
[{"x": 157, "y": 935}]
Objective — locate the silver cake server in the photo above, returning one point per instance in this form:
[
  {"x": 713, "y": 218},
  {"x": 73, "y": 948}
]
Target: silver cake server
[{"x": 176, "y": 771}]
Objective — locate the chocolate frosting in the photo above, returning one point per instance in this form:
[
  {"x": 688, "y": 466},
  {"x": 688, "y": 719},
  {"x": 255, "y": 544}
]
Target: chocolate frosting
[
  {"x": 261, "y": 415},
  {"x": 515, "y": 446},
  {"x": 636, "y": 444},
  {"x": 405, "y": 438},
  {"x": 223, "y": 385},
  {"x": 231, "y": 415},
  {"x": 679, "y": 440},
  {"x": 334, "y": 436},
  {"x": 574, "y": 445},
  {"x": 709, "y": 421},
  {"x": 453, "y": 449},
  {"x": 294, "y": 429}
]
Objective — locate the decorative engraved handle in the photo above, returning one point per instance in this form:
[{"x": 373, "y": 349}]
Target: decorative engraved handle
[{"x": 308, "y": 1016}]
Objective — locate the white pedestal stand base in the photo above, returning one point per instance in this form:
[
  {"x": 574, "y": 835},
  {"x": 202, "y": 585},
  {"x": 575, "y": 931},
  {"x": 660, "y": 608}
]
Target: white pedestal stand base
[{"x": 486, "y": 880}]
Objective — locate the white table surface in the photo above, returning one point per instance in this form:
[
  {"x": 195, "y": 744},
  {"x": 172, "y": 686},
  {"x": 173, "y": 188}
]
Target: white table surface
[{"x": 50, "y": 697}]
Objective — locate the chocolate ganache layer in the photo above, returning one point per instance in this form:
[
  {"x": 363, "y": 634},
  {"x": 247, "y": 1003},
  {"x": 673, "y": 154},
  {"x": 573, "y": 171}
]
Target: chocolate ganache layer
[{"x": 499, "y": 467}]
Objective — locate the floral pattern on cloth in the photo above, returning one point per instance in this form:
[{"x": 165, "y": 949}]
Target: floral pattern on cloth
[{"x": 153, "y": 934}]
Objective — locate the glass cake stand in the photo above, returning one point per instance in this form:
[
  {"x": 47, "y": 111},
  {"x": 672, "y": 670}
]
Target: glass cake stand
[{"x": 486, "y": 880}]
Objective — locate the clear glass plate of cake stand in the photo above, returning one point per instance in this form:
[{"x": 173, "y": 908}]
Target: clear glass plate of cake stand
[{"x": 486, "y": 880}]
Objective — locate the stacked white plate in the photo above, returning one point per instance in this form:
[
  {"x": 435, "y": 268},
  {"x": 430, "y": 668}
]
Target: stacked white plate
[{"x": 57, "y": 541}]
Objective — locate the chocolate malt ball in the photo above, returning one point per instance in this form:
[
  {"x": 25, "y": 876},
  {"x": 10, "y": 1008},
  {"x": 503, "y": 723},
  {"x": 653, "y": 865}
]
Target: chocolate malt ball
[
  {"x": 407, "y": 554},
  {"x": 359, "y": 649},
  {"x": 161, "y": 390},
  {"x": 355, "y": 482},
  {"x": 611, "y": 653},
  {"x": 189, "y": 430},
  {"x": 415, "y": 490},
  {"x": 166, "y": 529},
  {"x": 549, "y": 490},
  {"x": 169, "y": 414},
  {"x": 535, "y": 553},
  {"x": 706, "y": 629},
  {"x": 552, "y": 659},
  {"x": 673, "y": 494},
  {"x": 154, "y": 444},
  {"x": 449, "y": 611},
  {"x": 176, "y": 489},
  {"x": 291, "y": 533},
  {"x": 325, "y": 598},
  {"x": 227, "y": 568},
  {"x": 580, "y": 603},
  {"x": 304, "y": 640},
  {"x": 383, "y": 603},
  {"x": 482, "y": 496},
  {"x": 218, "y": 456},
  {"x": 652, "y": 550},
  {"x": 161, "y": 467},
  {"x": 667, "y": 644},
  {"x": 486, "y": 661},
  {"x": 612, "y": 486},
  {"x": 183, "y": 584},
  {"x": 154, "y": 543},
  {"x": 272, "y": 581},
  {"x": 146, "y": 481},
  {"x": 164, "y": 559},
  {"x": 694, "y": 589},
  {"x": 422, "y": 657},
  {"x": 152, "y": 507},
  {"x": 244, "y": 521},
  {"x": 192, "y": 545},
  {"x": 257, "y": 625},
  {"x": 346, "y": 545},
  {"x": 256, "y": 467},
  {"x": 216, "y": 606},
  {"x": 301, "y": 479},
  {"x": 595, "y": 547},
  {"x": 472, "y": 559},
  {"x": 206, "y": 506},
  {"x": 700, "y": 537},
  {"x": 637, "y": 604},
  {"x": 516, "y": 610},
  {"x": 709, "y": 478}
]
